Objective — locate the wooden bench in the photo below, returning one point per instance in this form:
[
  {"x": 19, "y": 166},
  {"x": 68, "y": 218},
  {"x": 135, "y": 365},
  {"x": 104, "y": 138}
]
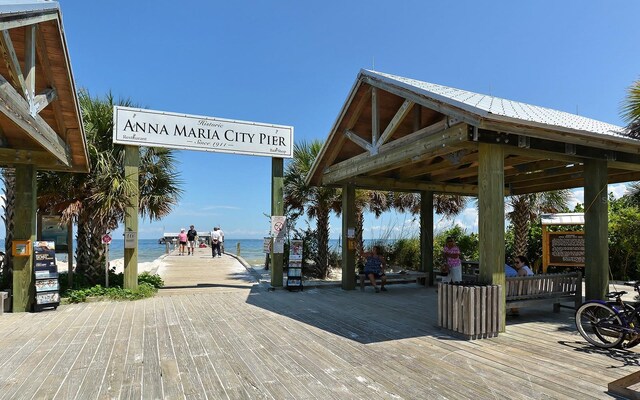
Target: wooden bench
[
  {"x": 408, "y": 277},
  {"x": 523, "y": 291}
]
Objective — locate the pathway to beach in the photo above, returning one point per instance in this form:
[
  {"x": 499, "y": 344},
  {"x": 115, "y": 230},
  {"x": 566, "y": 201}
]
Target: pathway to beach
[
  {"x": 215, "y": 335},
  {"x": 198, "y": 273}
]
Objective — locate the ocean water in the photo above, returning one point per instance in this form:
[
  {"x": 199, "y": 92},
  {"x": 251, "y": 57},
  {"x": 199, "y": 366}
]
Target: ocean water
[{"x": 149, "y": 249}]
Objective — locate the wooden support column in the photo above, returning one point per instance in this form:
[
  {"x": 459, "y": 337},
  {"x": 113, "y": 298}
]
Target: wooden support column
[
  {"x": 131, "y": 163},
  {"x": 426, "y": 235},
  {"x": 348, "y": 244},
  {"x": 491, "y": 217},
  {"x": 24, "y": 229},
  {"x": 70, "y": 254},
  {"x": 277, "y": 208},
  {"x": 596, "y": 244}
]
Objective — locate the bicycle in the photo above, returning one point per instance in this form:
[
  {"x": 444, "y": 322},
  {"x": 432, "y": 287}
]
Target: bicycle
[{"x": 611, "y": 323}]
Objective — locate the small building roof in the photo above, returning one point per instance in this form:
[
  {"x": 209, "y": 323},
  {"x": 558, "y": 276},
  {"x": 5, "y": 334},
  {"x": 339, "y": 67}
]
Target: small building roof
[
  {"x": 40, "y": 119},
  {"x": 487, "y": 106},
  {"x": 562, "y": 219},
  {"x": 402, "y": 134}
]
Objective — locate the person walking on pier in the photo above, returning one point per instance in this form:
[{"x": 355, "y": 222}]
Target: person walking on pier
[
  {"x": 182, "y": 238},
  {"x": 191, "y": 237},
  {"x": 216, "y": 238}
]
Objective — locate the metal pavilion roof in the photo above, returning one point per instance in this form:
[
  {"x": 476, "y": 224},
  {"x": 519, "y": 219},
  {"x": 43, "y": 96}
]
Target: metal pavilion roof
[
  {"x": 562, "y": 219},
  {"x": 492, "y": 107}
]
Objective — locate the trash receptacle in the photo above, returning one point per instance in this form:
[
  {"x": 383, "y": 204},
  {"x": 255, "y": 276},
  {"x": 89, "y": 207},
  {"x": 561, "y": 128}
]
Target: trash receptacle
[{"x": 470, "y": 309}]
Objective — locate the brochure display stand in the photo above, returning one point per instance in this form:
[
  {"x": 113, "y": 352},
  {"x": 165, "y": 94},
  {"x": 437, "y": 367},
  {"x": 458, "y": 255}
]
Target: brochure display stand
[
  {"x": 46, "y": 274},
  {"x": 294, "y": 272}
]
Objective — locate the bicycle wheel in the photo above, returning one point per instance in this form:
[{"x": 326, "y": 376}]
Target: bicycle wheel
[{"x": 598, "y": 324}]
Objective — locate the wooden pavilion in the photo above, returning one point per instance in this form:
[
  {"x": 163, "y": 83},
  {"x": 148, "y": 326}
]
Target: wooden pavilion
[
  {"x": 400, "y": 134},
  {"x": 40, "y": 122}
]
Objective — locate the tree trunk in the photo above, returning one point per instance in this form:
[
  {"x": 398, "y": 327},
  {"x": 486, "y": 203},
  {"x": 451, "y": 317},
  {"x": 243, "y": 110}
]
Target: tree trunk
[
  {"x": 521, "y": 222},
  {"x": 322, "y": 262},
  {"x": 6, "y": 269}
]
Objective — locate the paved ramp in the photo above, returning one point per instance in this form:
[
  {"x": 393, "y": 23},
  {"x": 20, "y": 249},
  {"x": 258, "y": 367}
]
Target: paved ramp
[{"x": 200, "y": 272}]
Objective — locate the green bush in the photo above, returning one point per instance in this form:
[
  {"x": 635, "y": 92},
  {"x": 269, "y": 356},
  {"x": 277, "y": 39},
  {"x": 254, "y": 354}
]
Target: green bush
[
  {"x": 148, "y": 285},
  {"x": 405, "y": 253}
]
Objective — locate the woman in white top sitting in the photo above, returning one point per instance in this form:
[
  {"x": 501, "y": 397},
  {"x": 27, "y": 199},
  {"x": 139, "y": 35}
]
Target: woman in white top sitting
[{"x": 521, "y": 264}]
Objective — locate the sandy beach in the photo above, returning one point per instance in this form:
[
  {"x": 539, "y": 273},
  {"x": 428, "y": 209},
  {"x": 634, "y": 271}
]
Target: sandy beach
[{"x": 152, "y": 266}]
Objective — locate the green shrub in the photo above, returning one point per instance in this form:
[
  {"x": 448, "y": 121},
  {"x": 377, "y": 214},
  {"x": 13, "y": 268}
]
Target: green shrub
[{"x": 148, "y": 285}]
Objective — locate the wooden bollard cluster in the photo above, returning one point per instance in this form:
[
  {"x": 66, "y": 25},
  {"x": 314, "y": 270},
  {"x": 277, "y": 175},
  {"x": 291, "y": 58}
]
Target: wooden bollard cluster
[{"x": 472, "y": 310}]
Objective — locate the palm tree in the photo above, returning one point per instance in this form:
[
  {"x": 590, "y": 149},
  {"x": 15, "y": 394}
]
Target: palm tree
[
  {"x": 97, "y": 201},
  {"x": 315, "y": 202},
  {"x": 373, "y": 201},
  {"x": 6, "y": 269},
  {"x": 527, "y": 208},
  {"x": 630, "y": 111}
]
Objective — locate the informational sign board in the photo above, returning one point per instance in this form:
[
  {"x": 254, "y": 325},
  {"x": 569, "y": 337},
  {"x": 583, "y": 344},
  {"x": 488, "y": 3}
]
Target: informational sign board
[
  {"x": 52, "y": 229},
  {"x": 140, "y": 127},
  {"x": 562, "y": 249},
  {"x": 566, "y": 248},
  {"x": 266, "y": 245}
]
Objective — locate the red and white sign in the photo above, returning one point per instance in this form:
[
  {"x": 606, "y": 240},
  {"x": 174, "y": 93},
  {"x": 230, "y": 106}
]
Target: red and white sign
[{"x": 106, "y": 238}]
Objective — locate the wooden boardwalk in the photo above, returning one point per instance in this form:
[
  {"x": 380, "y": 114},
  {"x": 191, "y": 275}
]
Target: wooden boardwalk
[{"x": 234, "y": 340}]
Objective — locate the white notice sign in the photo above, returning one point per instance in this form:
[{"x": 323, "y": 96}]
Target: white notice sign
[
  {"x": 278, "y": 225},
  {"x": 130, "y": 240},
  {"x": 139, "y": 127}
]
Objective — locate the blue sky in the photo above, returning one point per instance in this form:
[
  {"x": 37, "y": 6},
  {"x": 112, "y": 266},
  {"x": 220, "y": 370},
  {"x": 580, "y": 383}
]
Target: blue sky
[{"x": 293, "y": 63}]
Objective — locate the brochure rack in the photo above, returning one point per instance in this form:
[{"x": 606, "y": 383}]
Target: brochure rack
[
  {"x": 294, "y": 272},
  {"x": 46, "y": 276}
]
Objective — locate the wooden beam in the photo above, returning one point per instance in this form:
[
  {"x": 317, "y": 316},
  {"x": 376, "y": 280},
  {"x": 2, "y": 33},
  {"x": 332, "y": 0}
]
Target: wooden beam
[
  {"x": 391, "y": 154},
  {"x": 491, "y": 219},
  {"x": 42, "y": 100},
  {"x": 24, "y": 229},
  {"x": 131, "y": 172},
  {"x": 395, "y": 122},
  {"x": 428, "y": 166},
  {"x": 16, "y": 109},
  {"x": 440, "y": 107},
  {"x": 277, "y": 208},
  {"x": 348, "y": 247},
  {"x": 624, "y": 165},
  {"x": 553, "y": 173},
  {"x": 13, "y": 65},
  {"x": 375, "y": 116},
  {"x": 596, "y": 247},
  {"x": 30, "y": 66},
  {"x": 377, "y": 183},
  {"x": 426, "y": 236},
  {"x": 351, "y": 135},
  {"x": 565, "y": 135},
  {"x": 542, "y": 154},
  {"x": 28, "y": 20},
  {"x": 14, "y": 156},
  {"x": 45, "y": 65}
]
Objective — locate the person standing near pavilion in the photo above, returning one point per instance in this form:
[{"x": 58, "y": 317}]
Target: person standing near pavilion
[{"x": 452, "y": 260}]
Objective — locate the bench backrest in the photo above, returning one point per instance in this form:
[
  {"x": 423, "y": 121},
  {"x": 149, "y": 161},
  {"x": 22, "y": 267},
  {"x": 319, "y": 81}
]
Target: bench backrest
[{"x": 543, "y": 284}]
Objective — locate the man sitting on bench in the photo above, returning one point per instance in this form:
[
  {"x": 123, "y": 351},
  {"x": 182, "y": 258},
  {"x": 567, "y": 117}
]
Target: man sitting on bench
[{"x": 374, "y": 268}]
